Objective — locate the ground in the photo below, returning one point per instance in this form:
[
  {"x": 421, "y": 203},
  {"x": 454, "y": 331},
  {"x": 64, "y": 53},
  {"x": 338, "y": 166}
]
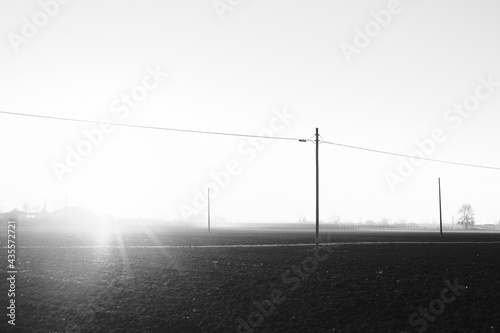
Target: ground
[{"x": 154, "y": 281}]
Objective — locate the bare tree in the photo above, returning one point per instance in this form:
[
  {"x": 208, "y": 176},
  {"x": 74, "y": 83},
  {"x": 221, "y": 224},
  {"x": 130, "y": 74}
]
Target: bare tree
[
  {"x": 26, "y": 207},
  {"x": 335, "y": 219},
  {"x": 466, "y": 216}
]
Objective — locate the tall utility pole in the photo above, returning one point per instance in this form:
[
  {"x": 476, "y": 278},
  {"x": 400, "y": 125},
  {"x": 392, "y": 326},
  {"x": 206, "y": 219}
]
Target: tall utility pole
[
  {"x": 317, "y": 187},
  {"x": 440, "y": 212},
  {"x": 208, "y": 190}
]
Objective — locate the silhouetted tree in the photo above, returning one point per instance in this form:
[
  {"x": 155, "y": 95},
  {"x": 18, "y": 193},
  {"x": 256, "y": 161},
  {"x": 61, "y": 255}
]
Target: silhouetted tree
[
  {"x": 26, "y": 207},
  {"x": 466, "y": 216}
]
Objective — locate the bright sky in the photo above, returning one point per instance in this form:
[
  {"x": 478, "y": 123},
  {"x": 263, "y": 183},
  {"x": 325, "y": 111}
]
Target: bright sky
[{"x": 376, "y": 74}]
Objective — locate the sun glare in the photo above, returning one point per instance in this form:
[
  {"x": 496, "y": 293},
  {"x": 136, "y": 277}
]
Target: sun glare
[{"x": 103, "y": 235}]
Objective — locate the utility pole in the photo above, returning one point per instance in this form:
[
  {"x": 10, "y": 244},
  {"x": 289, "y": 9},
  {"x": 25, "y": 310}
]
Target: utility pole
[
  {"x": 317, "y": 188},
  {"x": 440, "y": 212},
  {"x": 66, "y": 211},
  {"x": 208, "y": 190}
]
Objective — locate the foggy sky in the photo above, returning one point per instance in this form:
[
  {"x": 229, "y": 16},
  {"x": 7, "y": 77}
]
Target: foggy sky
[{"x": 383, "y": 75}]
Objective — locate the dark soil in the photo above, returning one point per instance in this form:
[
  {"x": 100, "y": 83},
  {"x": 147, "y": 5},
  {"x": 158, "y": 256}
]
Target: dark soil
[{"x": 354, "y": 288}]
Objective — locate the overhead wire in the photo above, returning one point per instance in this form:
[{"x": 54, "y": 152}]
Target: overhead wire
[
  {"x": 410, "y": 156},
  {"x": 247, "y": 135},
  {"x": 148, "y": 127}
]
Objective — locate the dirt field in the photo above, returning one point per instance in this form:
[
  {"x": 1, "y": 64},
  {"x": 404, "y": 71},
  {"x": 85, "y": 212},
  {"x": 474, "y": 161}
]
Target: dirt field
[{"x": 185, "y": 282}]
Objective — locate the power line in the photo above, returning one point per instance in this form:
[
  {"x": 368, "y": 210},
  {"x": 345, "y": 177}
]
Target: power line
[
  {"x": 409, "y": 156},
  {"x": 150, "y": 127},
  {"x": 248, "y": 136}
]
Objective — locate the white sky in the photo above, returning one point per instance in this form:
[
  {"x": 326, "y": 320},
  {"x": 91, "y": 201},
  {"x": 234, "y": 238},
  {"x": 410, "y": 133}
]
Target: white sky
[{"x": 232, "y": 75}]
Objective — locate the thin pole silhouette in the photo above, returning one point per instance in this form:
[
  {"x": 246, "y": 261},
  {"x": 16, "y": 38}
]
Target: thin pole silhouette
[
  {"x": 208, "y": 190},
  {"x": 66, "y": 211},
  {"x": 440, "y": 211},
  {"x": 317, "y": 187}
]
